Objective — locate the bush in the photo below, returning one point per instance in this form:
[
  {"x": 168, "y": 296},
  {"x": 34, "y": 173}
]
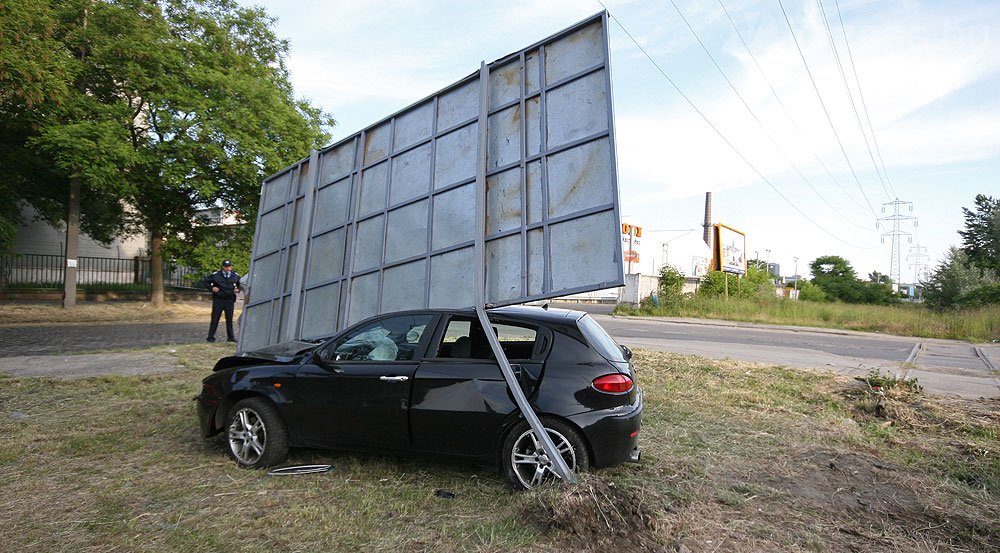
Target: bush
[
  {"x": 981, "y": 297},
  {"x": 755, "y": 284},
  {"x": 954, "y": 280},
  {"x": 810, "y": 292},
  {"x": 671, "y": 286}
]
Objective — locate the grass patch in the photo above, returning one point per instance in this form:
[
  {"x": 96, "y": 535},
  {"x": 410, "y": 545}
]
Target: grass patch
[
  {"x": 981, "y": 324},
  {"x": 736, "y": 457}
]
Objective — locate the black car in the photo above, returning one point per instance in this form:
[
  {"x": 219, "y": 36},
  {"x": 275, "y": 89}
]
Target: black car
[{"x": 428, "y": 382}]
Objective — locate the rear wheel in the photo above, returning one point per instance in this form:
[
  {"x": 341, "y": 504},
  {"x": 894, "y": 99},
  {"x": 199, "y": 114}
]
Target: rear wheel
[
  {"x": 524, "y": 462},
  {"x": 256, "y": 434}
]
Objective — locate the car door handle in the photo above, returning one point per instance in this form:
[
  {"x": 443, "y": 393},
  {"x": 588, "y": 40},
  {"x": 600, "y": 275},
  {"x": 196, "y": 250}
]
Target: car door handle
[{"x": 393, "y": 378}]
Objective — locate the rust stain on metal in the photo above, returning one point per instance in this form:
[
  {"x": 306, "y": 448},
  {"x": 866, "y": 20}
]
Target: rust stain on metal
[
  {"x": 372, "y": 154},
  {"x": 581, "y": 179},
  {"x": 512, "y": 76},
  {"x": 510, "y": 206}
]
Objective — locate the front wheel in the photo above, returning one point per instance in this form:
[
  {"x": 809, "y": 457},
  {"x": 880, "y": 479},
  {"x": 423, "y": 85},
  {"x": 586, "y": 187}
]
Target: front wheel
[
  {"x": 256, "y": 434},
  {"x": 524, "y": 462}
]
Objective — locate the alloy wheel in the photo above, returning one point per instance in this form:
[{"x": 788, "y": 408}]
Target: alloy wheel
[
  {"x": 247, "y": 436},
  {"x": 534, "y": 467}
]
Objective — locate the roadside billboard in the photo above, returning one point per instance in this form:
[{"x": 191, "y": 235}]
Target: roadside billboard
[
  {"x": 499, "y": 189},
  {"x": 730, "y": 250}
]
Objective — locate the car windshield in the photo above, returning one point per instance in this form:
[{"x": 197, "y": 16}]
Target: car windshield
[{"x": 599, "y": 340}]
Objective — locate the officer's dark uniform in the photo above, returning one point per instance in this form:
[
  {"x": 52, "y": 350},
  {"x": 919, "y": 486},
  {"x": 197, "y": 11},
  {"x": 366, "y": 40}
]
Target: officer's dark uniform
[{"x": 223, "y": 301}]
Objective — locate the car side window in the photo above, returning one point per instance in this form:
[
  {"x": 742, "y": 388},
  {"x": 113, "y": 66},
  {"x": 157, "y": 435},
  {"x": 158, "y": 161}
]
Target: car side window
[
  {"x": 464, "y": 339},
  {"x": 517, "y": 342},
  {"x": 391, "y": 339}
]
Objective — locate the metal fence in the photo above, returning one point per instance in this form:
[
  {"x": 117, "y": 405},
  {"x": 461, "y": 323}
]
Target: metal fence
[{"x": 98, "y": 273}]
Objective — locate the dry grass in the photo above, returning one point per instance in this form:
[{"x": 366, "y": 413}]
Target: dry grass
[
  {"x": 17, "y": 313},
  {"x": 736, "y": 457}
]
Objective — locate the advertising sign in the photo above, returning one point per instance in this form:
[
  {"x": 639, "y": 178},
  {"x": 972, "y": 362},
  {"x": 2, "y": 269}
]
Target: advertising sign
[
  {"x": 699, "y": 266},
  {"x": 730, "y": 250}
]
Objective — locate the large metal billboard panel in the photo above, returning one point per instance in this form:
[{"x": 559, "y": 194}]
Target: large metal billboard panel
[
  {"x": 386, "y": 219},
  {"x": 730, "y": 250}
]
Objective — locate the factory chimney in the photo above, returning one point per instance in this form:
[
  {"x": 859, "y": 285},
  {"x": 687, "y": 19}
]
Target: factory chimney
[{"x": 707, "y": 227}]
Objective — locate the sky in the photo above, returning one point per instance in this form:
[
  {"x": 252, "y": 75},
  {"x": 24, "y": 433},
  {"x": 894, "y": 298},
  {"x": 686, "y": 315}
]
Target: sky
[{"x": 804, "y": 119}]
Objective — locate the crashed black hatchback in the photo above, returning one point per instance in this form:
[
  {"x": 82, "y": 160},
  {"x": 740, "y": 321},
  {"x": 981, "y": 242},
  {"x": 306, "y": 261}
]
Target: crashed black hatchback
[{"x": 427, "y": 382}]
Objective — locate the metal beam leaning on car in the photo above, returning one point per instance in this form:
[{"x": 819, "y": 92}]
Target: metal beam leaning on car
[
  {"x": 548, "y": 446},
  {"x": 559, "y": 465}
]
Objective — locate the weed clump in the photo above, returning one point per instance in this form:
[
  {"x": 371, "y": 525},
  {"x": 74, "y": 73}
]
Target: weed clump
[{"x": 595, "y": 515}]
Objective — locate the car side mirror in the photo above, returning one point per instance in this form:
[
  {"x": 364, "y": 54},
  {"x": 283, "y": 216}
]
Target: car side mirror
[{"x": 626, "y": 351}]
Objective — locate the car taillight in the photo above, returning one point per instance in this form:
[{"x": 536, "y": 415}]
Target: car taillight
[{"x": 612, "y": 383}]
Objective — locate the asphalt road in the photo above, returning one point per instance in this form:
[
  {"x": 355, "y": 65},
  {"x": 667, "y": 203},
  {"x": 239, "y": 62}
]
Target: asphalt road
[{"x": 941, "y": 366}]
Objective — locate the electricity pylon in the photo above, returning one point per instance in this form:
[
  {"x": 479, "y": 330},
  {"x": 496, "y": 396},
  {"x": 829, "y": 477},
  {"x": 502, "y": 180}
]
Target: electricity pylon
[{"x": 895, "y": 261}]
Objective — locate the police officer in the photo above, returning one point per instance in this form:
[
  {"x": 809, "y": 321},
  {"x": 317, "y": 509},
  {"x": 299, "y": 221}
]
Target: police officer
[{"x": 224, "y": 284}]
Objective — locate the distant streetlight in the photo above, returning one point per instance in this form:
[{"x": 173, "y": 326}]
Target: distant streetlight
[{"x": 796, "y": 285}]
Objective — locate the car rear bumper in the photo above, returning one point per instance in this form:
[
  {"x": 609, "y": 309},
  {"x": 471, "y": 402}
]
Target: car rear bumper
[{"x": 613, "y": 435}]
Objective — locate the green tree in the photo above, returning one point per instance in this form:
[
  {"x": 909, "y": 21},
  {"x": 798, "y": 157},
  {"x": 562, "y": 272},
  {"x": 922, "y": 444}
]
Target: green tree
[
  {"x": 981, "y": 237},
  {"x": 835, "y": 276},
  {"x": 879, "y": 278},
  {"x": 36, "y": 72},
  {"x": 172, "y": 106},
  {"x": 954, "y": 278}
]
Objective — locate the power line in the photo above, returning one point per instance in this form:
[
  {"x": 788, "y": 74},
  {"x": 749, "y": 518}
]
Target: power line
[
  {"x": 850, "y": 97},
  {"x": 782, "y": 105},
  {"x": 722, "y": 136},
  {"x": 864, "y": 107},
  {"x": 825, "y": 110},
  {"x": 757, "y": 119}
]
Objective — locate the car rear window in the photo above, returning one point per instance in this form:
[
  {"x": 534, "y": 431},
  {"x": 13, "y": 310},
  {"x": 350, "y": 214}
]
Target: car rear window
[{"x": 600, "y": 340}]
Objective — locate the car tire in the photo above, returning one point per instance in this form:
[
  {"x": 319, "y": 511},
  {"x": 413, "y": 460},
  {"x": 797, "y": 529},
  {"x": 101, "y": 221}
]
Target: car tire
[
  {"x": 524, "y": 465},
  {"x": 255, "y": 434}
]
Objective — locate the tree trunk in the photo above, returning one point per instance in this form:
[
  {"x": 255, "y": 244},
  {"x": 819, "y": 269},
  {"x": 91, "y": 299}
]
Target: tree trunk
[{"x": 156, "y": 269}]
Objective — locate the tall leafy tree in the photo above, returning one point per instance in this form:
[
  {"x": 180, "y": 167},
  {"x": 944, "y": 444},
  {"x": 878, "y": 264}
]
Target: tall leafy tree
[
  {"x": 835, "y": 276},
  {"x": 954, "y": 278},
  {"x": 34, "y": 70},
  {"x": 170, "y": 106},
  {"x": 981, "y": 237}
]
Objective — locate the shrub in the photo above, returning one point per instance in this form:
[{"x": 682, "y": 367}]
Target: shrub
[
  {"x": 671, "y": 286},
  {"x": 810, "y": 292},
  {"x": 980, "y": 297}
]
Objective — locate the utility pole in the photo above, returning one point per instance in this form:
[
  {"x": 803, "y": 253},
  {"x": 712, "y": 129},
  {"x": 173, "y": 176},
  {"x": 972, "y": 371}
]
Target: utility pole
[
  {"x": 895, "y": 260},
  {"x": 796, "y": 285}
]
